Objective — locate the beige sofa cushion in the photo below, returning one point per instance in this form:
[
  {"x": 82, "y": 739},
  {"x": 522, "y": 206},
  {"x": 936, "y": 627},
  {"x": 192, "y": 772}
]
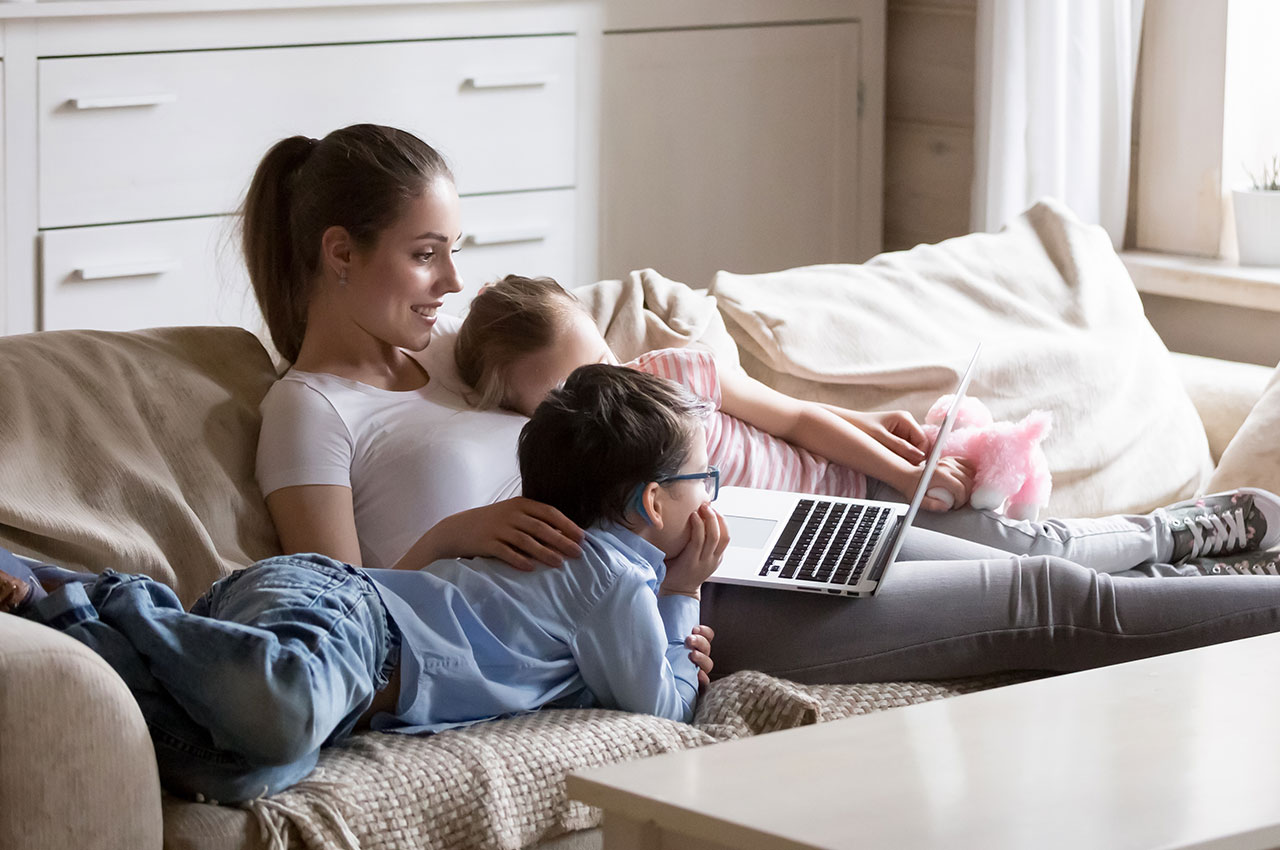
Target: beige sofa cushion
[
  {"x": 1252, "y": 458},
  {"x": 135, "y": 451},
  {"x": 1224, "y": 393},
  {"x": 75, "y": 753},
  {"x": 1062, "y": 327}
]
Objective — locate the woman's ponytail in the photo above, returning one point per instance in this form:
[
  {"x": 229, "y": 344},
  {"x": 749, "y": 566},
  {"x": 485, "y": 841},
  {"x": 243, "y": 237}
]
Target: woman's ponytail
[{"x": 280, "y": 280}]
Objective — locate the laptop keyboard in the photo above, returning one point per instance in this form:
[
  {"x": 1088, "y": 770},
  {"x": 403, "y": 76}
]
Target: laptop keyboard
[{"x": 827, "y": 542}]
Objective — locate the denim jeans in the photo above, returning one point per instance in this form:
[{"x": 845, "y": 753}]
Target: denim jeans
[{"x": 240, "y": 694}]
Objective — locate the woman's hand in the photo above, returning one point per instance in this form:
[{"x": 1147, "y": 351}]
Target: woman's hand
[
  {"x": 519, "y": 531},
  {"x": 950, "y": 486},
  {"x": 708, "y": 538},
  {"x": 896, "y": 430},
  {"x": 699, "y": 644}
]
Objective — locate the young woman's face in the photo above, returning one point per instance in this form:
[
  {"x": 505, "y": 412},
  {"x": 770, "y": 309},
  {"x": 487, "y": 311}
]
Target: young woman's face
[
  {"x": 578, "y": 343},
  {"x": 397, "y": 286}
]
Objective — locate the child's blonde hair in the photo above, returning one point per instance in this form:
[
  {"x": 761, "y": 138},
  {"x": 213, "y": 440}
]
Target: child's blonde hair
[{"x": 510, "y": 319}]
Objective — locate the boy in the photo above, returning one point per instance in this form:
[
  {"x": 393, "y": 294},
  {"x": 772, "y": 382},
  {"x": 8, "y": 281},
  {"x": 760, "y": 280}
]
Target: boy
[{"x": 293, "y": 653}]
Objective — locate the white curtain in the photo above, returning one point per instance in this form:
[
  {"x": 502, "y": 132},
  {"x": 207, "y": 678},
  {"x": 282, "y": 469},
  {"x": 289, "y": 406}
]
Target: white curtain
[{"x": 1054, "y": 106}]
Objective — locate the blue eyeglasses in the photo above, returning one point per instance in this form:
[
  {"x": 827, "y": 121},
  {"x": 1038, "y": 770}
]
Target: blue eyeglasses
[{"x": 710, "y": 480}]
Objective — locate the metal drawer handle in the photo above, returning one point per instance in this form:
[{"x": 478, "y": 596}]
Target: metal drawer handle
[
  {"x": 513, "y": 80},
  {"x": 152, "y": 268},
  {"x": 122, "y": 101},
  {"x": 510, "y": 236}
]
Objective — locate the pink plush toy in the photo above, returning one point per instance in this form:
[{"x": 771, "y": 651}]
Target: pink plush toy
[{"x": 1012, "y": 471}]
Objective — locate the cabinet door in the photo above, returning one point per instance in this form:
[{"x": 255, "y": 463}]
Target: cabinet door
[{"x": 729, "y": 148}]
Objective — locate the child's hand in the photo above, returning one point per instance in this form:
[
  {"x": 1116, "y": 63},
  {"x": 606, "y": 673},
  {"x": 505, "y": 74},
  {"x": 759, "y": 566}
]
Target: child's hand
[
  {"x": 953, "y": 479},
  {"x": 708, "y": 538},
  {"x": 699, "y": 644},
  {"x": 896, "y": 430}
]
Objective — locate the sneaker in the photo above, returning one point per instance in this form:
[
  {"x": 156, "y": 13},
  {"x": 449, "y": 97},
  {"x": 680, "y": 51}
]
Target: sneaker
[
  {"x": 1241, "y": 520},
  {"x": 1243, "y": 564}
]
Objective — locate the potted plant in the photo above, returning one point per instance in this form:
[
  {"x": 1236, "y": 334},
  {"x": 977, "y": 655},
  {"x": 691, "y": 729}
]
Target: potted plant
[{"x": 1258, "y": 217}]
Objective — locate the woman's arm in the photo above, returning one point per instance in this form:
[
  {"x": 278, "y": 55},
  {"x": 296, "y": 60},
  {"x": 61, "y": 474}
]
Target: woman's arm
[
  {"x": 521, "y": 532},
  {"x": 316, "y": 518},
  {"x": 813, "y": 427}
]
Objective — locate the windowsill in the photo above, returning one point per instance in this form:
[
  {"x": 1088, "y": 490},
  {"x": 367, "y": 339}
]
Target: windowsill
[{"x": 1199, "y": 279}]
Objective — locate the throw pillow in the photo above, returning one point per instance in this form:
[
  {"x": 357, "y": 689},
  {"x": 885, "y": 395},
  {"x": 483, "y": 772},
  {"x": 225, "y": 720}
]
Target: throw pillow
[{"x": 1252, "y": 458}]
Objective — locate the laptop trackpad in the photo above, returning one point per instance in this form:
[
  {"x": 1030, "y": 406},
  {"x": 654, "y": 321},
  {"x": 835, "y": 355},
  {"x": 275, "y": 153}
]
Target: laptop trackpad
[{"x": 749, "y": 532}]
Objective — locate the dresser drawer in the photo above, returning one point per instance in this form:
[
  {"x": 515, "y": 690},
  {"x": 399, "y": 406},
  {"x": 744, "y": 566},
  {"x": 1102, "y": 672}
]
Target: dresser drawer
[
  {"x": 149, "y": 136},
  {"x": 530, "y": 233},
  {"x": 129, "y": 276},
  {"x": 191, "y": 272}
]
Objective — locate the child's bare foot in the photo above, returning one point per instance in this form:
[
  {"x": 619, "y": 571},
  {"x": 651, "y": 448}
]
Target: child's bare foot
[
  {"x": 19, "y": 584},
  {"x": 14, "y": 592}
]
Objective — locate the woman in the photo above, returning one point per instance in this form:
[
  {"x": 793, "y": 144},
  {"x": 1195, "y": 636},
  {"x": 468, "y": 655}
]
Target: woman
[
  {"x": 364, "y": 458},
  {"x": 349, "y": 242}
]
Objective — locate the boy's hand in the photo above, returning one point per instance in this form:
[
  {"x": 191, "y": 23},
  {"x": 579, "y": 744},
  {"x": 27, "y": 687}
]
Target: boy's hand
[
  {"x": 950, "y": 486},
  {"x": 699, "y": 644},
  {"x": 708, "y": 538}
]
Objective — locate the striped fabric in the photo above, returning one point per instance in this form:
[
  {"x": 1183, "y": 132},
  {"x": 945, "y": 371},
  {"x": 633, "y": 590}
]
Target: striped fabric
[{"x": 745, "y": 455}]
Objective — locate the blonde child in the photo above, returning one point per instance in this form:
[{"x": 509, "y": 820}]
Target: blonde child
[{"x": 523, "y": 336}]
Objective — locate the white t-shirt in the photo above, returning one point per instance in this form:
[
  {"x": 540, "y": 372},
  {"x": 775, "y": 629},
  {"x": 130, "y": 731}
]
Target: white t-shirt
[{"x": 410, "y": 458}]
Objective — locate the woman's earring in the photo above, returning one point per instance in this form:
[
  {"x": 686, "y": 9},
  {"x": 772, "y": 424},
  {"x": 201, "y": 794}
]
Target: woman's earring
[{"x": 342, "y": 277}]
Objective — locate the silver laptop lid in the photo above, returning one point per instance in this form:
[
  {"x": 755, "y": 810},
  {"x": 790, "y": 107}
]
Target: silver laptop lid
[{"x": 932, "y": 462}]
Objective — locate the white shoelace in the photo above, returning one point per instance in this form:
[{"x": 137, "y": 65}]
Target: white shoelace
[{"x": 1214, "y": 533}]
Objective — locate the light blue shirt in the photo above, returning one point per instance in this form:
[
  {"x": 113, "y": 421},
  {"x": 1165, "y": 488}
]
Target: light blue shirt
[{"x": 483, "y": 640}]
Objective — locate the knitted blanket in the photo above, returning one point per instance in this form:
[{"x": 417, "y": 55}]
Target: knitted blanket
[{"x": 500, "y": 785}]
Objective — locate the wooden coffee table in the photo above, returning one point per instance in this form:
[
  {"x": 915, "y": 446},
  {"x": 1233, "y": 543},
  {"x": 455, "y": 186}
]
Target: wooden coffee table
[{"x": 1180, "y": 751}]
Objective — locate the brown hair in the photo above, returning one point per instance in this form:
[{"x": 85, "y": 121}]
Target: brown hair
[
  {"x": 607, "y": 431},
  {"x": 358, "y": 178},
  {"x": 510, "y": 319}
]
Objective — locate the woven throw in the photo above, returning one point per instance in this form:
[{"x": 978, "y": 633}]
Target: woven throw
[{"x": 500, "y": 785}]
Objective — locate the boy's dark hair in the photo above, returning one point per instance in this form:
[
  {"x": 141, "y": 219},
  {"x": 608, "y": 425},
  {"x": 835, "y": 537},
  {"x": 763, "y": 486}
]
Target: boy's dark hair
[{"x": 609, "y": 429}]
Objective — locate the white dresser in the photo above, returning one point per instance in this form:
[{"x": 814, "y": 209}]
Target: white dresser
[{"x": 131, "y": 129}]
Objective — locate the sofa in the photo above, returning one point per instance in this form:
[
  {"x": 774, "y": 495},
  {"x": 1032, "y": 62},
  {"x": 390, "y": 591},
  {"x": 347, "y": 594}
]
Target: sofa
[{"x": 135, "y": 451}]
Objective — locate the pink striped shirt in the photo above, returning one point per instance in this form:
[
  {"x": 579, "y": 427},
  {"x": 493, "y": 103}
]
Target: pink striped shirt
[{"x": 745, "y": 455}]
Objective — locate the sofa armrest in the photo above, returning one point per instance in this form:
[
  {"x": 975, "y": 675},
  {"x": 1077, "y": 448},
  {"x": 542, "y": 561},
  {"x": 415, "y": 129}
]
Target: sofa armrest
[
  {"x": 1223, "y": 391},
  {"x": 78, "y": 769}
]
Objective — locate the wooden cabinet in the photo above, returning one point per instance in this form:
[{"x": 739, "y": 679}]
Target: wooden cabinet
[
  {"x": 732, "y": 148},
  {"x": 588, "y": 137}
]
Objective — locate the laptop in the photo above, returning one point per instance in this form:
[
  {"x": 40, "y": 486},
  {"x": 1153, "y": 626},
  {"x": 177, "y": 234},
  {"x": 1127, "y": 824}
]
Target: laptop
[{"x": 821, "y": 544}]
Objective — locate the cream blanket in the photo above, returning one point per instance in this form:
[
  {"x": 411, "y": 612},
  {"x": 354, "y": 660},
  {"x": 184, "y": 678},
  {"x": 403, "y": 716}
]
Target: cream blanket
[
  {"x": 647, "y": 312},
  {"x": 1062, "y": 329}
]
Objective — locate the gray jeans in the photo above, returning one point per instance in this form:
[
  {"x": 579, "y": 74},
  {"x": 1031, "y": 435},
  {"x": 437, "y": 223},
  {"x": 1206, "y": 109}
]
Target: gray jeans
[
  {"x": 1107, "y": 544},
  {"x": 952, "y": 607}
]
